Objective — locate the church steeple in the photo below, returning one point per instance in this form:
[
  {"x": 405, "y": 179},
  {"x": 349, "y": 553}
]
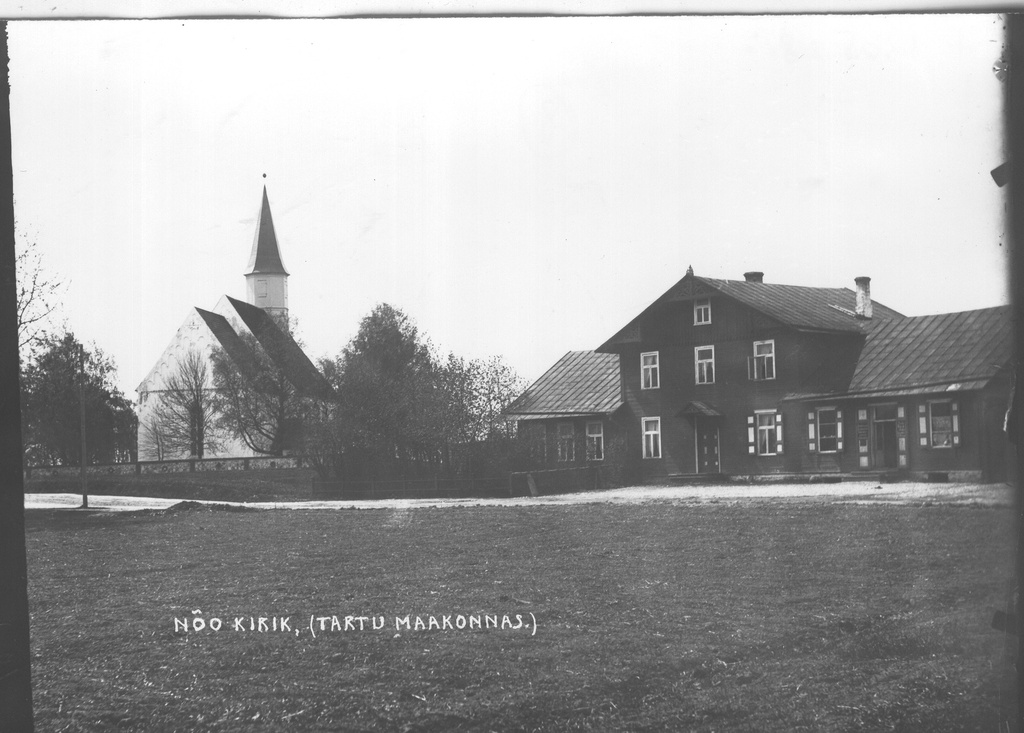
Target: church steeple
[{"x": 266, "y": 279}]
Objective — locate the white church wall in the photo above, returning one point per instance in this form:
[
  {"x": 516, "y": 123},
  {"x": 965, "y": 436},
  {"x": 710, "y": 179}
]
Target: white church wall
[{"x": 195, "y": 335}]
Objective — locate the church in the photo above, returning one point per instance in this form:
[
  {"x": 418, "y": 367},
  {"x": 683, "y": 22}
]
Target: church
[{"x": 237, "y": 328}]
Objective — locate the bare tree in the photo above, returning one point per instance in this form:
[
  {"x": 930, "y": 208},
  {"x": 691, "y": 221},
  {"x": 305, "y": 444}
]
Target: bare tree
[
  {"x": 38, "y": 294},
  {"x": 186, "y": 416},
  {"x": 151, "y": 439}
]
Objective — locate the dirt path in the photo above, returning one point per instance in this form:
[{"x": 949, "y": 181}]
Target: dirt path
[{"x": 851, "y": 492}]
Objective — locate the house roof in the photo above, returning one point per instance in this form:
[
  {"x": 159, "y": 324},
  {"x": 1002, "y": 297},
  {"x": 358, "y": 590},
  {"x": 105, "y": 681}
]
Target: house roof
[
  {"x": 950, "y": 352},
  {"x": 282, "y": 350},
  {"x": 796, "y": 306},
  {"x": 935, "y": 350},
  {"x": 581, "y": 383},
  {"x": 266, "y": 256}
]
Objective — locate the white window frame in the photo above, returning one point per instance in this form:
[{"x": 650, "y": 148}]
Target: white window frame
[
  {"x": 566, "y": 443},
  {"x": 766, "y": 359},
  {"x": 595, "y": 440},
  {"x": 953, "y": 426},
  {"x": 651, "y": 429},
  {"x": 839, "y": 428},
  {"x": 698, "y": 363},
  {"x": 650, "y": 374},
  {"x": 701, "y": 312},
  {"x": 772, "y": 429}
]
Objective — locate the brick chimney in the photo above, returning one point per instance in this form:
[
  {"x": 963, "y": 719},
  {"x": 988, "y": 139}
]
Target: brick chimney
[
  {"x": 753, "y": 277},
  {"x": 863, "y": 296}
]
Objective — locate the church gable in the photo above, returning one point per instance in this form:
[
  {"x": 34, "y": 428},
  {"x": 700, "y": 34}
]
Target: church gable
[{"x": 237, "y": 327}]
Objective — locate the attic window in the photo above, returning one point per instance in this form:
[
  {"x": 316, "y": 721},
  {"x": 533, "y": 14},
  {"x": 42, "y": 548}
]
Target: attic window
[{"x": 701, "y": 312}]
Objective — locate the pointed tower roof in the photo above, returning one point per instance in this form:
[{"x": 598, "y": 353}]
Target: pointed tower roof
[{"x": 265, "y": 257}]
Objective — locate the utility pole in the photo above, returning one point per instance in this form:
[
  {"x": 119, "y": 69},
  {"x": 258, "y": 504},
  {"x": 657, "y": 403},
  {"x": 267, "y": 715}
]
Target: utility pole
[{"x": 81, "y": 423}]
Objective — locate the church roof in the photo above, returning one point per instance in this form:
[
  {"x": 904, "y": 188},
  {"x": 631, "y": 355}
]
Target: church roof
[
  {"x": 229, "y": 340},
  {"x": 282, "y": 350},
  {"x": 266, "y": 256}
]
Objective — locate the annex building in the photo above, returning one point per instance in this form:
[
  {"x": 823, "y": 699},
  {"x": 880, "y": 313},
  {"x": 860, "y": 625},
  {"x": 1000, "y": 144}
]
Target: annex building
[
  {"x": 237, "y": 327},
  {"x": 748, "y": 378}
]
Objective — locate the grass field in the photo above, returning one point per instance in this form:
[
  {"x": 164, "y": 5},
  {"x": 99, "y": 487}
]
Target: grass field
[{"x": 750, "y": 617}]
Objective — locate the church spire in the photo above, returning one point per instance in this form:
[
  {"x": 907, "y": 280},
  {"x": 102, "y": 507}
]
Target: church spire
[
  {"x": 265, "y": 257},
  {"x": 266, "y": 280}
]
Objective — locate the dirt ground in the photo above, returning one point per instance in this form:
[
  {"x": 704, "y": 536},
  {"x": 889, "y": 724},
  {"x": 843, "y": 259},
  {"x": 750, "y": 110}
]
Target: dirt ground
[{"x": 847, "y": 492}]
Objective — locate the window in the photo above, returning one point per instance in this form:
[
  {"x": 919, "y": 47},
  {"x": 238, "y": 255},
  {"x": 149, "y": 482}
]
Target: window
[
  {"x": 704, "y": 364},
  {"x": 566, "y": 442},
  {"x": 701, "y": 312},
  {"x": 764, "y": 433},
  {"x": 649, "y": 376},
  {"x": 652, "y": 437},
  {"x": 595, "y": 441},
  {"x": 830, "y": 430},
  {"x": 539, "y": 443},
  {"x": 261, "y": 288},
  {"x": 761, "y": 365},
  {"x": 940, "y": 424}
]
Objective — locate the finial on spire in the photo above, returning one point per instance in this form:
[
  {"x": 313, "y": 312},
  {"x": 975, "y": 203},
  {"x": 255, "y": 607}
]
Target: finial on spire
[{"x": 689, "y": 270}]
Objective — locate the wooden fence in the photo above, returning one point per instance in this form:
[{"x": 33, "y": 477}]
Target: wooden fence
[{"x": 187, "y": 465}]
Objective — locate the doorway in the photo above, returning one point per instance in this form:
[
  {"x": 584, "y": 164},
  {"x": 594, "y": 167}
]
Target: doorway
[
  {"x": 708, "y": 458},
  {"x": 884, "y": 442}
]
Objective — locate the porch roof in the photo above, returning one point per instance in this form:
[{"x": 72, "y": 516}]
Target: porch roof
[{"x": 700, "y": 408}]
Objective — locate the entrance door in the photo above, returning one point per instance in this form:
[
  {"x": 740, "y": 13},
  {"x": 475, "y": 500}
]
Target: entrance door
[
  {"x": 884, "y": 445},
  {"x": 707, "y": 447}
]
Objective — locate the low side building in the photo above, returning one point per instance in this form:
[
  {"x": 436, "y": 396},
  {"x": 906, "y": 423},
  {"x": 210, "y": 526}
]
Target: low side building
[{"x": 570, "y": 415}]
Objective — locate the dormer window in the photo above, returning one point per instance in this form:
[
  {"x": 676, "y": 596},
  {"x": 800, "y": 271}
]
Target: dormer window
[{"x": 701, "y": 312}]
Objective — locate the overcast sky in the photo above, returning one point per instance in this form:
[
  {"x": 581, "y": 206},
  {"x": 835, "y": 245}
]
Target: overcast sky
[{"x": 521, "y": 187}]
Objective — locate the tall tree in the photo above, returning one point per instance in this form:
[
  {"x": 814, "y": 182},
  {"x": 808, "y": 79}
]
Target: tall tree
[
  {"x": 51, "y": 385},
  {"x": 387, "y": 391},
  {"x": 186, "y": 419}
]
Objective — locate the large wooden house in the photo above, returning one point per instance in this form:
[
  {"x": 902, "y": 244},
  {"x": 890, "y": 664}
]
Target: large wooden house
[{"x": 747, "y": 378}]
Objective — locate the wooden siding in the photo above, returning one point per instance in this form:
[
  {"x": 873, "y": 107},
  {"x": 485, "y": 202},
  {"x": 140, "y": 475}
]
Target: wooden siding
[{"x": 824, "y": 360}]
